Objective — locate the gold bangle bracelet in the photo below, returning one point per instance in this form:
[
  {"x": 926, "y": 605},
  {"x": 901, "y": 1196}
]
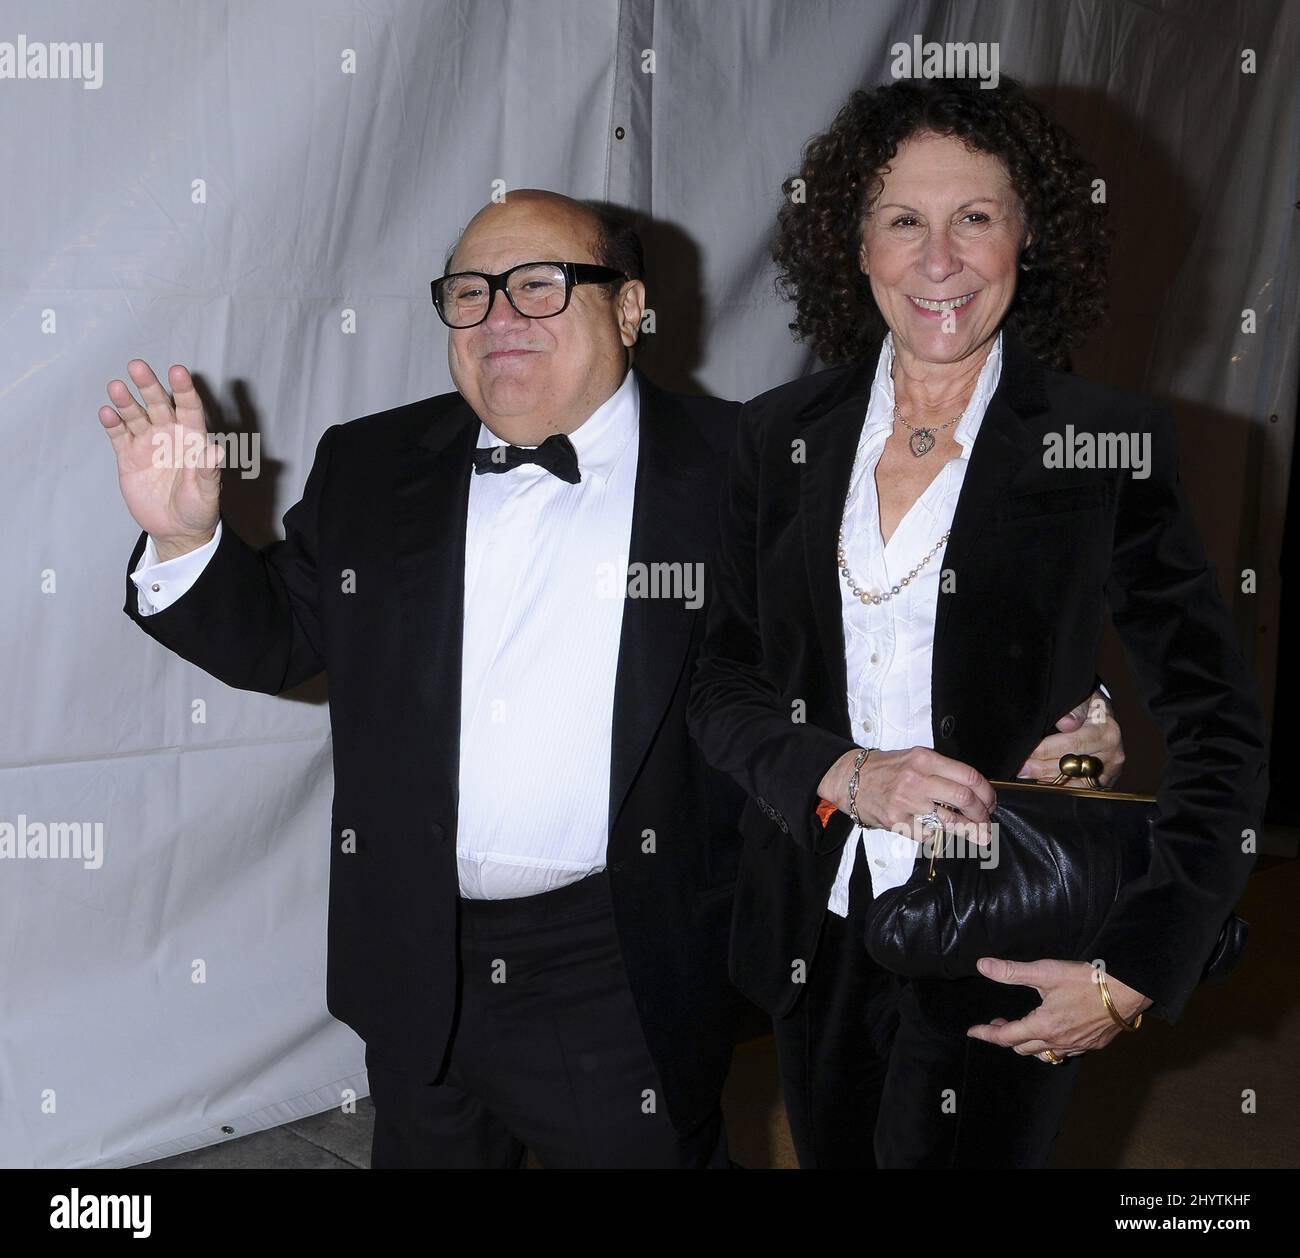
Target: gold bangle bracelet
[{"x": 1110, "y": 1005}]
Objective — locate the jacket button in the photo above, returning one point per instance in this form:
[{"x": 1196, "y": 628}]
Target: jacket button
[{"x": 946, "y": 726}]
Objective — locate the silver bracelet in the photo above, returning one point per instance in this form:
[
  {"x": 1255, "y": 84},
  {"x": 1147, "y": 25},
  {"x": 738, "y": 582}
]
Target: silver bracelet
[{"x": 858, "y": 761}]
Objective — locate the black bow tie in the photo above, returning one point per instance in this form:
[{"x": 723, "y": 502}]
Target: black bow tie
[{"x": 556, "y": 454}]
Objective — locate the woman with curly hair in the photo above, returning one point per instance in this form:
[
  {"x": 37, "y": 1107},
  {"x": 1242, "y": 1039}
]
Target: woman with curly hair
[{"x": 912, "y": 580}]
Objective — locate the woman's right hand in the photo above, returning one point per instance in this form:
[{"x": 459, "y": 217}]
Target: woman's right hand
[
  {"x": 896, "y": 787},
  {"x": 169, "y": 474}
]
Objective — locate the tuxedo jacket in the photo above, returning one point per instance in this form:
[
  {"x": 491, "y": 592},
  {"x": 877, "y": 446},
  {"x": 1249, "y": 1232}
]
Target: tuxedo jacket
[
  {"x": 386, "y": 499},
  {"x": 1036, "y": 557}
]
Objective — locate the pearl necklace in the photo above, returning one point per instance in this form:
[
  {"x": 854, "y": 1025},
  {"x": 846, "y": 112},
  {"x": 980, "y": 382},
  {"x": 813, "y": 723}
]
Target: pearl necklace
[{"x": 862, "y": 595}]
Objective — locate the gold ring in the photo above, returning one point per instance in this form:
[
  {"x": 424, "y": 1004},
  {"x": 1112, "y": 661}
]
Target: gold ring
[{"x": 1048, "y": 1055}]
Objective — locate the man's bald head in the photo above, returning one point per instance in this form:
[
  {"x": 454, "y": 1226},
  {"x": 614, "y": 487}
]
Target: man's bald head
[
  {"x": 529, "y": 378},
  {"x": 593, "y": 225}
]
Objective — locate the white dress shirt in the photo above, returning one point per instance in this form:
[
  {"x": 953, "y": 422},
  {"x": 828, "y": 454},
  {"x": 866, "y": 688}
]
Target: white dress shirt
[
  {"x": 888, "y": 647},
  {"x": 545, "y": 577},
  {"x": 543, "y": 620}
]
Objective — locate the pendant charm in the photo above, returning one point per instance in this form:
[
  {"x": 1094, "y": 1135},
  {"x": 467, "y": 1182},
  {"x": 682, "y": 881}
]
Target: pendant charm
[{"x": 922, "y": 441}]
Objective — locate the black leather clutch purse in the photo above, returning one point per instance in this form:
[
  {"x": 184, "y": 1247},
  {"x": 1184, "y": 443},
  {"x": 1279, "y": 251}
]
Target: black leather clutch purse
[{"x": 1062, "y": 854}]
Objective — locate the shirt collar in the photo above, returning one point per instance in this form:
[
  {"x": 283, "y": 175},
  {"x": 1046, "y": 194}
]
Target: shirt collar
[
  {"x": 880, "y": 409},
  {"x": 599, "y": 441}
]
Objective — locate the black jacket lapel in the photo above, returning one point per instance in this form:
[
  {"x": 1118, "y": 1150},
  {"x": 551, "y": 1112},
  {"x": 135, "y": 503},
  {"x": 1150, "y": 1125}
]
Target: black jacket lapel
[
  {"x": 672, "y": 516},
  {"x": 1005, "y": 440},
  {"x": 431, "y": 496},
  {"x": 831, "y": 440}
]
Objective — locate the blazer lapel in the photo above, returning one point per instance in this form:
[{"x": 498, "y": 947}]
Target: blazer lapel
[
  {"x": 1004, "y": 442},
  {"x": 831, "y": 440},
  {"x": 431, "y": 497},
  {"x": 673, "y": 515}
]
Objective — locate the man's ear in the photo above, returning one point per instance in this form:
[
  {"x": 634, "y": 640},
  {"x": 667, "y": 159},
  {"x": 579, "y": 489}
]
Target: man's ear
[{"x": 629, "y": 310}]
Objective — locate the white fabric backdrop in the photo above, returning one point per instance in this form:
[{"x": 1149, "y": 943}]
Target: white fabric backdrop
[{"x": 324, "y": 192}]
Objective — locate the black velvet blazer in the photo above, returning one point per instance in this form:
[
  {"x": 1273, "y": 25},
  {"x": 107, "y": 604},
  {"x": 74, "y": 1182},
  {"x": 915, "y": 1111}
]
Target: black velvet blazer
[{"x": 1038, "y": 554}]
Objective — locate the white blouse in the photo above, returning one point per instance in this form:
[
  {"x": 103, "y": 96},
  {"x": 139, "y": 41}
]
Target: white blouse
[{"x": 888, "y": 647}]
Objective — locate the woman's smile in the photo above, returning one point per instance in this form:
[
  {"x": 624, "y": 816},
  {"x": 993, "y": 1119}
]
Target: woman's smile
[{"x": 936, "y": 309}]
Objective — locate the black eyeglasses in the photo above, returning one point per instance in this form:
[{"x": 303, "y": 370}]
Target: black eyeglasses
[{"x": 537, "y": 290}]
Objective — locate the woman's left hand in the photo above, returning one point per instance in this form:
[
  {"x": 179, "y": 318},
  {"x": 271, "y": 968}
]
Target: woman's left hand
[
  {"x": 1089, "y": 730},
  {"x": 1072, "y": 1018}
]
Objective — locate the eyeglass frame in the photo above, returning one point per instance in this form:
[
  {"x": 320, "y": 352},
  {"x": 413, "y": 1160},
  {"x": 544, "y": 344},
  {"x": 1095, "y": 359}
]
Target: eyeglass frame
[{"x": 574, "y": 273}]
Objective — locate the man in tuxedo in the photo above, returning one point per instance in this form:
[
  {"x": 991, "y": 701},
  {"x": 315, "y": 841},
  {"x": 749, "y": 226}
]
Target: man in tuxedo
[{"x": 531, "y": 867}]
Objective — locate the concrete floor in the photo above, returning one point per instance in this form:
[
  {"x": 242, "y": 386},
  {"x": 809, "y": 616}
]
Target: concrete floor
[{"x": 1166, "y": 1097}]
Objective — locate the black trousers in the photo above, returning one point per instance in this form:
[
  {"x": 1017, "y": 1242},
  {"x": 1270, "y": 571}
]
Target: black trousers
[
  {"x": 873, "y": 1079},
  {"x": 547, "y": 1053}
]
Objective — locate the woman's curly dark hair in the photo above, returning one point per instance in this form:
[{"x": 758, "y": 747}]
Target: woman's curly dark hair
[{"x": 1058, "y": 299}]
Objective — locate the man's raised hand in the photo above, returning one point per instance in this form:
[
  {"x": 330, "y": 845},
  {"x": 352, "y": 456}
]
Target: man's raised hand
[{"x": 168, "y": 471}]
